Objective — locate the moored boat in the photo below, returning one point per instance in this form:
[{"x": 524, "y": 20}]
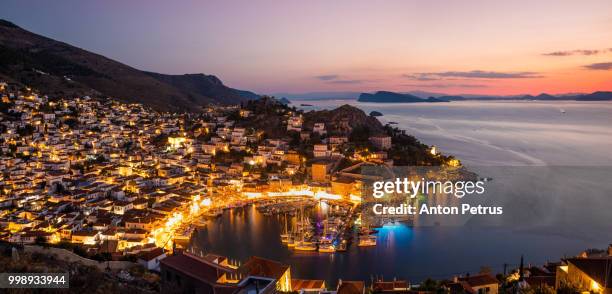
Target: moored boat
[
  {"x": 285, "y": 238},
  {"x": 366, "y": 241},
  {"x": 327, "y": 248},
  {"x": 305, "y": 246},
  {"x": 342, "y": 247},
  {"x": 291, "y": 243}
]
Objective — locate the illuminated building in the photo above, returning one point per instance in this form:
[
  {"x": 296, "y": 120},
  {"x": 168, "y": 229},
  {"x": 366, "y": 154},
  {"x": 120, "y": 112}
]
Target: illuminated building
[
  {"x": 320, "y": 170},
  {"x": 344, "y": 186},
  {"x": 191, "y": 273},
  {"x": 176, "y": 142},
  {"x": 587, "y": 274},
  {"x": 381, "y": 142}
]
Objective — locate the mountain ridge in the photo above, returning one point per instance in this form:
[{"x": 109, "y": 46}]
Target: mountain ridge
[
  {"x": 595, "y": 96},
  {"x": 58, "y": 68}
]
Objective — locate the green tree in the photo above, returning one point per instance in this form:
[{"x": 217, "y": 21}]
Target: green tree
[{"x": 429, "y": 285}]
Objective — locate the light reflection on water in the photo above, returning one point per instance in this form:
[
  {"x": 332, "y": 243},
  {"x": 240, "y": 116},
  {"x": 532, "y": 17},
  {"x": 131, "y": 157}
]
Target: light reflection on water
[{"x": 412, "y": 253}]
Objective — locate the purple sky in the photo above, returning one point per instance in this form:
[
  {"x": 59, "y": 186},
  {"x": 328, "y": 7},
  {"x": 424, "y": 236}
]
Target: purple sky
[{"x": 502, "y": 47}]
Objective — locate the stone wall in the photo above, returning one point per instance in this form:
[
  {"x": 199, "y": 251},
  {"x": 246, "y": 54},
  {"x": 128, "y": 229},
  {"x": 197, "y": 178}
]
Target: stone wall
[{"x": 72, "y": 257}]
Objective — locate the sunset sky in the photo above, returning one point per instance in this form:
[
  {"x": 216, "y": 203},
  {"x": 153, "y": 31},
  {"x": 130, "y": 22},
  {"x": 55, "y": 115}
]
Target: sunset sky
[{"x": 486, "y": 47}]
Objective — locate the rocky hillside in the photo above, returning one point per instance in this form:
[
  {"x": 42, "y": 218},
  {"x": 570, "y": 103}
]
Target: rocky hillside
[
  {"x": 270, "y": 115},
  {"x": 58, "y": 68},
  {"x": 342, "y": 120}
]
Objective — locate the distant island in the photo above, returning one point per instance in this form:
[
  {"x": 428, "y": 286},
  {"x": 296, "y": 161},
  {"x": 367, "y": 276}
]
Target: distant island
[
  {"x": 392, "y": 97},
  {"x": 376, "y": 113},
  {"x": 595, "y": 96}
]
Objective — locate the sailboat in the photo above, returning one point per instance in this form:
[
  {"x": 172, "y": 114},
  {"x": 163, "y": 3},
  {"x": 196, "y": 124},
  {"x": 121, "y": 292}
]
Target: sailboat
[
  {"x": 304, "y": 245},
  {"x": 291, "y": 242},
  {"x": 342, "y": 247},
  {"x": 285, "y": 236},
  {"x": 325, "y": 244},
  {"x": 327, "y": 248}
]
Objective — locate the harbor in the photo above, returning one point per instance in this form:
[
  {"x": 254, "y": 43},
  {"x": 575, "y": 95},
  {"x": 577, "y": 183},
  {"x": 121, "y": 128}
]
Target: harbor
[{"x": 306, "y": 224}]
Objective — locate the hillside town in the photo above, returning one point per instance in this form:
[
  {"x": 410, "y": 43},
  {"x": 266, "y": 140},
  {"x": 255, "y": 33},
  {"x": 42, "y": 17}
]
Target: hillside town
[
  {"x": 117, "y": 177},
  {"x": 112, "y": 181}
]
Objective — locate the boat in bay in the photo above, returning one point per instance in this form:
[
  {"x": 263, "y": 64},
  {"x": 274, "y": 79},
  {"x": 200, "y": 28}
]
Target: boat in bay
[
  {"x": 327, "y": 248},
  {"x": 291, "y": 242},
  {"x": 342, "y": 247},
  {"x": 305, "y": 246},
  {"x": 304, "y": 227},
  {"x": 285, "y": 238},
  {"x": 367, "y": 241}
]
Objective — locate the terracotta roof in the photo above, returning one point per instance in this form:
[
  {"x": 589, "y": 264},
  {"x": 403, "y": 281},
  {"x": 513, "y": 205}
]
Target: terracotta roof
[
  {"x": 460, "y": 287},
  {"x": 480, "y": 280},
  {"x": 214, "y": 258},
  {"x": 390, "y": 285},
  {"x": 598, "y": 269},
  {"x": 85, "y": 233},
  {"x": 297, "y": 284},
  {"x": 351, "y": 287},
  {"x": 150, "y": 255},
  {"x": 109, "y": 246},
  {"x": 194, "y": 267},
  {"x": 258, "y": 266}
]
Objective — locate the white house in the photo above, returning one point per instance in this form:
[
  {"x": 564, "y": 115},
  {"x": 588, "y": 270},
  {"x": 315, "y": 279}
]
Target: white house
[{"x": 150, "y": 260}]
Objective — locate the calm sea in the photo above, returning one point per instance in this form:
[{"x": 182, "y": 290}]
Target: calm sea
[{"x": 551, "y": 169}]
